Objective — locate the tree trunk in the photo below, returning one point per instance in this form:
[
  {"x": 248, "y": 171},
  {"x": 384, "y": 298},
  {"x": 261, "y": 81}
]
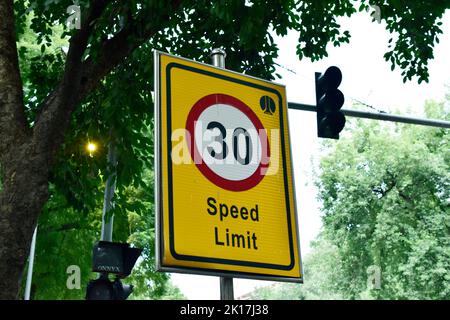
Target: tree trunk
[
  {"x": 26, "y": 153},
  {"x": 23, "y": 194}
]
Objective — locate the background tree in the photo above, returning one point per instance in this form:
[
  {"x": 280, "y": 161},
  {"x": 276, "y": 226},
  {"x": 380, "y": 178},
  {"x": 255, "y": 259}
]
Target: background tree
[
  {"x": 321, "y": 267},
  {"x": 65, "y": 238},
  {"x": 385, "y": 191},
  {"x": 50, "y": 102},
  {"x": 385, "y": 195}
]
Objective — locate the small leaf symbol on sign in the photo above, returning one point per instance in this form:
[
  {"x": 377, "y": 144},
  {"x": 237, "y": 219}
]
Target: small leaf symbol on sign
[{"x": 267, "y": 104}]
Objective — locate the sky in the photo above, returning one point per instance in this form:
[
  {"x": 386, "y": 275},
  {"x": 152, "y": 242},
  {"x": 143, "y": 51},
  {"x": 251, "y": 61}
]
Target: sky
[{"x": 367, "y": 77}]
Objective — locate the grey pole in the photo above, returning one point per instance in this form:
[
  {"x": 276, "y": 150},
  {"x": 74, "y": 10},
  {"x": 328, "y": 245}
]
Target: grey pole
[
  {"x": 226, "y": 283},
  {"x": 226, "y": 288},
  {"x": 30, "y": 266},
  {"x": 107, "y": 224},
  {"x": 378, "y": 116},
  {"x": 218, "y": 56}
]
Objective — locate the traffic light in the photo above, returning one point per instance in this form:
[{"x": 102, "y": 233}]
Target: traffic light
[
  {"x": 330, "y": 120},
  {"x": 100, "y": 289},
  {"x": 121, "y": 291},
  {"x": 115, "y": 258},
  {"x": 103, "y": 289}
]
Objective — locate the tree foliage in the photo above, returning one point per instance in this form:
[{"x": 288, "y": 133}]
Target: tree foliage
[
  {"x": 385, "y": 196},
  {"x": 386, "y": 214},
  {"x": 121, "y": 108},
  {"x": 321, "y": 268},
  {"x": 65, "y": 238}
]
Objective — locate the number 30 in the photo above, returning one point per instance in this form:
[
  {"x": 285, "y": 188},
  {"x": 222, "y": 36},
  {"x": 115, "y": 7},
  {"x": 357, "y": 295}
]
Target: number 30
[{"x": 235, "y": 141}]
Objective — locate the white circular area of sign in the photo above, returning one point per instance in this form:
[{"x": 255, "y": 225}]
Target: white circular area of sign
[{"x": 228, "y": 142}]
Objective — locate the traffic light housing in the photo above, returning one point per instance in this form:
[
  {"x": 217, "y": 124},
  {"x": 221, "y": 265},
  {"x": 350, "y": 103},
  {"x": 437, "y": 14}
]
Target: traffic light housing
[
  {"x": 104, "y": 289},
  {"x": 330, "y": 120},
  {"x": 100, "y": 289},
  {"x": 111, "y": 258}
]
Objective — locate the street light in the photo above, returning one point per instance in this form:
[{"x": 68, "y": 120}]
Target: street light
[{"x": 91, "y": 148}]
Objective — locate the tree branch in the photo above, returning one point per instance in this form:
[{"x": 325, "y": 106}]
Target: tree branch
[
  {"x": 114, "y": 50},
  {"x": 81, "y": 78},
  {"x": 54, "y": 116},
  {"x": 13, "y": 125},
  {"x": 65, "y": 227}
]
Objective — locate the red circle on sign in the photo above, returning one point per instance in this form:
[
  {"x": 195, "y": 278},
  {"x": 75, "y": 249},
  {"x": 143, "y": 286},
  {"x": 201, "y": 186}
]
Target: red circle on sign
[{"x": 232, "y": 185}]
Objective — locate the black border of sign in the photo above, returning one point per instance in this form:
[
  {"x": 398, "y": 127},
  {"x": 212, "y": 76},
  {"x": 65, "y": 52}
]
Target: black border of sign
[{"x": 169, "y": 173}]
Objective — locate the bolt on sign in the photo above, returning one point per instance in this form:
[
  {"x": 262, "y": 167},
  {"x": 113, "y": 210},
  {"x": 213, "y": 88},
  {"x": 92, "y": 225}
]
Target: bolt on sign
[{"x": 224, "y": 186}]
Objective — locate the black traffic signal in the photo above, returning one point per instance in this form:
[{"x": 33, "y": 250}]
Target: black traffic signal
[
  {"x": 121, "y": 291},
  {"x": 100, "y": 289},
  {"x": 116, "y": 258},
  {"x": 104, "y": 289},
  {"x": 113, "y": 257},
  {"x": 330, "y": 120}
]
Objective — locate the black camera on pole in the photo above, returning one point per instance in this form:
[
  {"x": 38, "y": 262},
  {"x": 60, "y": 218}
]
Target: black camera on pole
[
  {"x": 330, "y": 119},
  {"x": 111, "y": 258}
]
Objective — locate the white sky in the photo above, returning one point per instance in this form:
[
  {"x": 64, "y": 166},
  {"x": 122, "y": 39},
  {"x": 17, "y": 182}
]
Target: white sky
[{"x": 366, "y": 77}]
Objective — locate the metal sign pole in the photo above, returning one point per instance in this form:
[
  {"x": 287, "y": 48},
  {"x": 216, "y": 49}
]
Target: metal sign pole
[
  {"x": 30, "y": 266},
  {"x": 226, "y": 288},
  {"x": 226, "y": 283},
  {"x": 378, "y": 116},
  {"x": 107, "y": 225}
]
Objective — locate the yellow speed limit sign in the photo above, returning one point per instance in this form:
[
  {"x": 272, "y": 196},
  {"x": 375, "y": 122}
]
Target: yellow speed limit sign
[{"x": 224, "y": 186}]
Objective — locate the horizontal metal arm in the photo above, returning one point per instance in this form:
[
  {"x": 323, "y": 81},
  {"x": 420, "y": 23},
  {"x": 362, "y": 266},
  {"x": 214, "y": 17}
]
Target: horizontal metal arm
[{"x": 378, "y": 116}]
